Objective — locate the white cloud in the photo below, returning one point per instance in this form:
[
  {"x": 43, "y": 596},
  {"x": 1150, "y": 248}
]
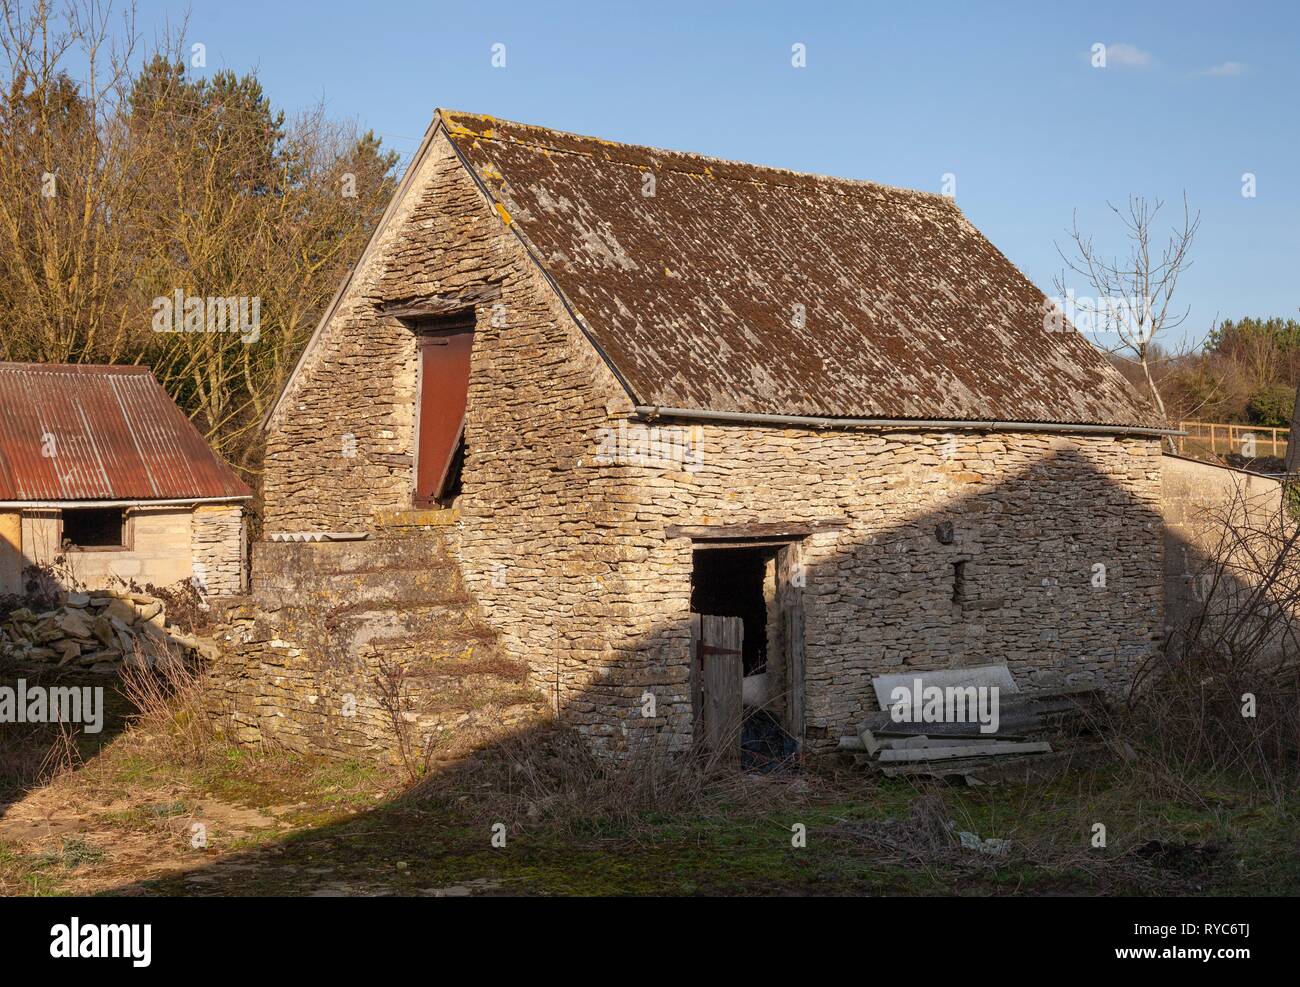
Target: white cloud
[
  {"x": 1227, "y": 68},
  {"x": 1129, "y": 56}
]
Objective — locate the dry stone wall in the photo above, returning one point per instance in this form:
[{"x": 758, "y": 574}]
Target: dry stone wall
[
  {"x": 361, "y": 648},
  {"x": 1059, "y": 536},
  {"x": 1221, "y": 527},
  {"x": 99, "y": 633},
  {"x": 1195, "y": 498},
  {"x": 219, "y": 549}
]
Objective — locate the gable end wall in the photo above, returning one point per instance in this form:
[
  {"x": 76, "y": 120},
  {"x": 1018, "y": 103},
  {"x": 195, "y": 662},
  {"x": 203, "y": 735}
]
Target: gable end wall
[{"x": 340, "y": 447}]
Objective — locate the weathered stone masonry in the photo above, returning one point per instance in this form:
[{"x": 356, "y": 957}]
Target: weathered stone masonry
[
  {"x": 303, "y": 657},
  {"x": 219, "y": 548},
  {"x": 1033, "y": 516},
  {"x": 563, "y": 555},
  {"x": 530, "y": 378}
]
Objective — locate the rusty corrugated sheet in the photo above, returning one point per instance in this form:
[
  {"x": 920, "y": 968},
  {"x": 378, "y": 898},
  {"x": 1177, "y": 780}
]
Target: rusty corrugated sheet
[
  {"x": 100, "y": 433},
  {"x": 694, "y": 293}
]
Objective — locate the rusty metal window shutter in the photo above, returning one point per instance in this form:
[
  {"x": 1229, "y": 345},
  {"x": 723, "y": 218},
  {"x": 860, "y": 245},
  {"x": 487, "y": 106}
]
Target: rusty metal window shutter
[{"x": 444, "y": 386}]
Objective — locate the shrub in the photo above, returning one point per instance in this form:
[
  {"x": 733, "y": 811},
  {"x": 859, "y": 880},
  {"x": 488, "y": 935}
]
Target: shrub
[{"x": 1272, "y": 406}]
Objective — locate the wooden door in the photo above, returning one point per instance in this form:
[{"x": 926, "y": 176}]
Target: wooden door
[
  {"x": 717, "y": 683},
  {"x": 789, "y": 594}
]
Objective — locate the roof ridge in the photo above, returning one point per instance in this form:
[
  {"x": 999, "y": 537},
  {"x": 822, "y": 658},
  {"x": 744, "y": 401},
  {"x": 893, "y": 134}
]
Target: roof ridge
[{"x": 829, "y": 183}]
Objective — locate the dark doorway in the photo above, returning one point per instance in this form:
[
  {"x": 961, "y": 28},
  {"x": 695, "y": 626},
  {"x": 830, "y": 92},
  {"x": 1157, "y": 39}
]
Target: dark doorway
[
  {"x": 748, "y": 595},
  {"x": 730, "y": 583}
]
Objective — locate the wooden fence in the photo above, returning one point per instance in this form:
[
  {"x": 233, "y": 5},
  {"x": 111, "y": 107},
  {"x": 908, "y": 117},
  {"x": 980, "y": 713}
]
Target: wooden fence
[{"x": 1222, "y": 439}]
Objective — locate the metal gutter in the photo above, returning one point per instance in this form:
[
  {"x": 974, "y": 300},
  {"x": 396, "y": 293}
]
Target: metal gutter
[
  {"x": 802, "y": 421},
  {"x": 183, "y": 502}
]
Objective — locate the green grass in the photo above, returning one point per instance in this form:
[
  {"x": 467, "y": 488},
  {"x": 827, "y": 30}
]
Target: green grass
[
  {"x": 75, "y": 851},
  {"x": 684, "y": 853},
  {"x": 354, "y": 822}
]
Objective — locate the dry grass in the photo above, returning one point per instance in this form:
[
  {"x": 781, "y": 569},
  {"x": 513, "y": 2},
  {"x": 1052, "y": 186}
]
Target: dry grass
[
  {"x": 167, "y": 693},
  {"x": 652, "y": 821},
  {"x": 1224, "y": 697},
  {"x": 548, "y": 777},
  {"x": 392, "y": 688},
  {"x": 417, "y": 698},
  {"x": 581, "y": 824},
  {"x": 36, "y": 754}
]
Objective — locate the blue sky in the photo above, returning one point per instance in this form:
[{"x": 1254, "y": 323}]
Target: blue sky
[{"x": 1001, "y": 95}]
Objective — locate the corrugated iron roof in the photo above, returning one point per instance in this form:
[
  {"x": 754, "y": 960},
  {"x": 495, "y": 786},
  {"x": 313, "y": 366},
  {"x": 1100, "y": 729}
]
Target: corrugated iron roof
[
  {"x": 78, "y": 433},
  {"x": 739, "y": 288}
]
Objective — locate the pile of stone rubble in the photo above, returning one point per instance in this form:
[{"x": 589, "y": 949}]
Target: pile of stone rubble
[{"x": 98, "y": 632}]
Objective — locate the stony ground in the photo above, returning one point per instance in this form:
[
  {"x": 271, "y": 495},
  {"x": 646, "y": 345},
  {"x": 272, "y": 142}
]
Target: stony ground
[{"x": 127, "y": 819}]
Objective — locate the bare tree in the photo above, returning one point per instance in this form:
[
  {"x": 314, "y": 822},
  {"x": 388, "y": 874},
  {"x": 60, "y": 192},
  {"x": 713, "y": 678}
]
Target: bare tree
[
  {"x": 65, "y": 168},
  {"x": 1133, "y": 301},
  {"x": 137, "y": 181},
  {"x": 1234, "y": 640}
]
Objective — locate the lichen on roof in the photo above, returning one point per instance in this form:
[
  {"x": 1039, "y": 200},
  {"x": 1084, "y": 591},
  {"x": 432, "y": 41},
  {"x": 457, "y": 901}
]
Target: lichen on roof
[{"x": 907, "y": 310}]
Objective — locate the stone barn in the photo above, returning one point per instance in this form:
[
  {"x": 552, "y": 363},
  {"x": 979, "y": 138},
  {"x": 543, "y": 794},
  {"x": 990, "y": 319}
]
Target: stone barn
[
  {"x": 105, "y": 482},
  {"x": 581, "y": 401}
]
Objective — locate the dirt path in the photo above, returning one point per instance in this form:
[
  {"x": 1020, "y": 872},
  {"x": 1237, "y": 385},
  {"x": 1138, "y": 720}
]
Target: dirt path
[
  {"x": 104, "y": 828},
  {"x": 102, "y": 843}
]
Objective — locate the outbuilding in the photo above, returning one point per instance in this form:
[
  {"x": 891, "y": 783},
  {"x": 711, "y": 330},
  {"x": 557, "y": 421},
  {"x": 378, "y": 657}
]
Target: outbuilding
[{"x": 104, "y": 482}]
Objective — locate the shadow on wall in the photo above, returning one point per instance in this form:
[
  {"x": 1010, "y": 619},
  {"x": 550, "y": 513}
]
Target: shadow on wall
[
  {"x": 1065, "y": 595},
  {"x": 1088, "y": 629},
  {"x": 1231, "y": 584}
]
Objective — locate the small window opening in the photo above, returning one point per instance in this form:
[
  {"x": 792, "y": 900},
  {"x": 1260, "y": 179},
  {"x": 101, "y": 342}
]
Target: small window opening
[
  {"x": 451, "y": 488},
  {"x": 959, "y": 582},
  {"x": 95, "y": 527}
]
